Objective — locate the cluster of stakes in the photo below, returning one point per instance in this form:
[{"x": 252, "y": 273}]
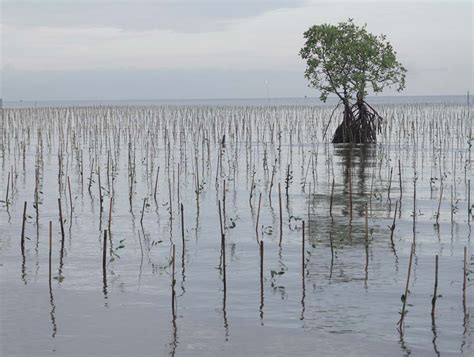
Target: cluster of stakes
[{"x": 171, "y": 156}]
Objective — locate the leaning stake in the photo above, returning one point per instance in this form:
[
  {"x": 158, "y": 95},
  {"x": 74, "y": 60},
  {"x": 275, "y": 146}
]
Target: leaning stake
[
  {"x": 61, "y": 222},
  {"x": 405, "y": 296}
]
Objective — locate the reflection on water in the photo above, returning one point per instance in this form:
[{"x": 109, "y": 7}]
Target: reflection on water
[
  {"x": 50, "y": 267},
  {"x": 149, "y": 172},
  {"x": 262, "y": 254},
  {"x": 53, "y": 309},
  {"x": 435, "y": 335},
  {"x": 174, "y": 337}
]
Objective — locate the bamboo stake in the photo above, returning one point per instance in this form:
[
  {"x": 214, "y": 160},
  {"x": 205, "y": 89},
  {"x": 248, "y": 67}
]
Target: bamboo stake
[
  {"x": 414, "y": 209},
  {"x": 50, "y": 250},
  {"x": 143, "y": 212},
  {"x": 156, "y": 183},
  {"x": 281, "y": 214},
  {"x": 173, "y": 284},
  {"x": 287, "y": 182},
  {"x": 400, "y": 179},
  {"x": 90, "y": 177},
  {"x": 271, "y": 185},
  {"x": 8, "y": 189},
  {"x": 350, "y": 190},
  {"x": 182, "y": 224},
  {"x": 464, "y": 284},
  {"x": 303, "y": 264},
  {"x": 366, "y": 268},
  {"x": 258, "y": 214},
  {"x": 330, "y": 203},
  {"x": 110, "y": 215},
  {"x": 439, "y": 202},
  {"x": 101, "y": 197},
  {"x": 469, "y": 201},
  {"x": 61, "y": 223},
  {"x": 452, "y": 206},
  {"x": 70, "y": 195},
  {"x": 405, "y": 295},
  {"x": 223, "y": 205},
  {"x": 224, "y": 274},
  {"x": 392, "y": 227},
  {"x": 23, "y": 225},
  {"x": 390, "y": 183},
  {"x": 104, "y": 253},
  {"x": 332, "y": 246},
  {"x": 366, "y": 224},
  {"x": 261, "y": 278},
  {"x": 220, "y": 218}
]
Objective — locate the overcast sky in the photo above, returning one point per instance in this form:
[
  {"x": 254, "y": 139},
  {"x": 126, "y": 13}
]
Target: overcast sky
[{"x": 183, "y": 49}]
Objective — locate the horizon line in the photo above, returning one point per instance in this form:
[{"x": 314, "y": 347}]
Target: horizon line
[{"x": 225, "y": 98}]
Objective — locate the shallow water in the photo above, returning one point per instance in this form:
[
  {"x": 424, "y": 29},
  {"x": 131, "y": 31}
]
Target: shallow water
[{"x": 347, "y": 303}]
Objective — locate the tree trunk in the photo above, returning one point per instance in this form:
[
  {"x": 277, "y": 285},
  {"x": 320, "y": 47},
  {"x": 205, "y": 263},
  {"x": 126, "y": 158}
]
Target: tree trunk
[{"x": 358, "y": 124}]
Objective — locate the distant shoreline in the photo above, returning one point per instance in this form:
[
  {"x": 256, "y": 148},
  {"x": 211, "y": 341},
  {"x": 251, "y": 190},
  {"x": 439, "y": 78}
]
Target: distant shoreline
[{"x": 418, "y": 99}]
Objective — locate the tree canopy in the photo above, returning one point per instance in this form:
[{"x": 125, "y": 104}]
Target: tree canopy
[{"x": 348, "y": 61}]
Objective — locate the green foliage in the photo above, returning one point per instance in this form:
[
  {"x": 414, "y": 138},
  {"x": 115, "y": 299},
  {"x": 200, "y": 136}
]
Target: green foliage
[{"x": 348, "y": 61}]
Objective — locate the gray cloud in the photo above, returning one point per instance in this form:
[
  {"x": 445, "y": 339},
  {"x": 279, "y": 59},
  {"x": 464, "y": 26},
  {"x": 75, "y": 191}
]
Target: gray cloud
[
  {"x": 138, "y": 15},
  {"x": 87, "y": 61}
]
